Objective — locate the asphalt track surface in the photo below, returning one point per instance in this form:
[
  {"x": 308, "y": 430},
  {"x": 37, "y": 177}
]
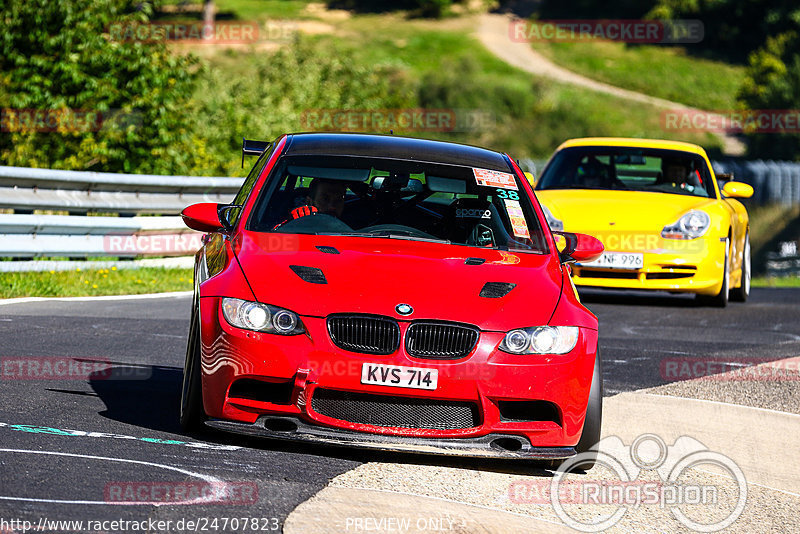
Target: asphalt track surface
[{"x": 67, "y": 445}]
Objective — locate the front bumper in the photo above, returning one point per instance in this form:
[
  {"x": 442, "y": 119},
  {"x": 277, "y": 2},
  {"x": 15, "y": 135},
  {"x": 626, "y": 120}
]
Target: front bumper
[
  {"x": 502, "y": 446},
  {"x": 295, "y": 368},
  {"x": 693, "y": 266}
]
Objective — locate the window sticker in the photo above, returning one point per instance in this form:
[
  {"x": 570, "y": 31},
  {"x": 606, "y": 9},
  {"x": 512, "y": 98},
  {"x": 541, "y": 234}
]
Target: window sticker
[
  {"x": 518, "y": 224},
  {"x": 489, "y": 178}
]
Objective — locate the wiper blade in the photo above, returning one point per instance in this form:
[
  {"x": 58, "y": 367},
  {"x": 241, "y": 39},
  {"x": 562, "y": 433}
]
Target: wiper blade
[
  {"x": 415, "y": 238},
  {"x": 574, "y": 186}
]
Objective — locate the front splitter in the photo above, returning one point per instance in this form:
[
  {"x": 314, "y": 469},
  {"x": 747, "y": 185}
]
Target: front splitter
[{"x": 502, "y": 446}]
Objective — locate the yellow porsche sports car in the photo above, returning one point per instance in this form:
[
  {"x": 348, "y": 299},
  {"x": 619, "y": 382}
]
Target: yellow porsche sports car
[{"x": 664, "y": 220}]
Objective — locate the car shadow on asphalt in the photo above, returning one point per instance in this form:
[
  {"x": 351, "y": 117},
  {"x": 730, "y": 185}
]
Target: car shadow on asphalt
[{"x": 143, "y": 395}]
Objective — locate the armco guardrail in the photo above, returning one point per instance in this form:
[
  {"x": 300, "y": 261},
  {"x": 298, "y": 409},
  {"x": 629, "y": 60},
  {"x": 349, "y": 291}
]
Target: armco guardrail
[
  {"x": 24, "y": 235},
  {"x": 80, "y": 192},
  {"x": 784, "y": 262},
  {"x": 28, "y": 236},
  {"x": 774, "y": 182}
]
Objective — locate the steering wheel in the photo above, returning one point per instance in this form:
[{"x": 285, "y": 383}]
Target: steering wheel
[{"x": 319, "y": 222}]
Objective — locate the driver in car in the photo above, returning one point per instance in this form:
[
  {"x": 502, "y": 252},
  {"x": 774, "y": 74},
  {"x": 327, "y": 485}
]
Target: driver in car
[
  {"x": 324, "y": 196},
  {"x": 677, "y": 173}
]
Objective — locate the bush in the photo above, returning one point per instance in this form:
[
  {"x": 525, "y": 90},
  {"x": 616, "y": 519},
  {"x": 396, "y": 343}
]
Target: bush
[
  {"x": 773, "y": 83},
  {"x": 108, "y": 105},
  {"x": 279, "y": 90}
]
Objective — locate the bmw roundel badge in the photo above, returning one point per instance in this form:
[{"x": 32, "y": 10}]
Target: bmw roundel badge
[{"x": 404, "y": 309}]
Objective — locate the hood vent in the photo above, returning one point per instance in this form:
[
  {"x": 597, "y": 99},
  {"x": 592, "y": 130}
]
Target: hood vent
[
  {"x": 327, "y": 250},
  {"x": 475, "y": 261},
  {"x": 312, "y": 275},
  {"x": 495, "y": 290}
]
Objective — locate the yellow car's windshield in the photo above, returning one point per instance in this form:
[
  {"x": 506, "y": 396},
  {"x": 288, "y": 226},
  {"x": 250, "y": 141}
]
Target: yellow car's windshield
[{"x": 626, "y": 168}]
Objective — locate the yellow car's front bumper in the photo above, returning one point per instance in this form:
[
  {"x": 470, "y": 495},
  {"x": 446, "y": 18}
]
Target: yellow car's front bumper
[{"x": 694, "y": 266}]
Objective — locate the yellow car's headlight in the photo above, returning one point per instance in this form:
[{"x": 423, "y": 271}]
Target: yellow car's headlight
[{"x": 690, "y": 226}]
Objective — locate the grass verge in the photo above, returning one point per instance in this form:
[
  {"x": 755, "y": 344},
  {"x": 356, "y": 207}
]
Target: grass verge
[
  {"x": 91, "y": 282},
  {"x": 665, "y": 72},
  {"x": 784, "y": 281}
]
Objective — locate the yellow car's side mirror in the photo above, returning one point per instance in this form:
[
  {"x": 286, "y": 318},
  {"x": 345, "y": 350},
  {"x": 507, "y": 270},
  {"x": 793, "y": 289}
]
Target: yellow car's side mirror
[{"x": 737, "y": 190}]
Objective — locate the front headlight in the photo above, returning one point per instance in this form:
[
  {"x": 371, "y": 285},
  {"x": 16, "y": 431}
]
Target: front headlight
[
  {"x": 261, "y": 317},
  {"x": 690, "y": 226},
  {"x": 540, "y": 340},
  {"x": 554, "y": 224}
]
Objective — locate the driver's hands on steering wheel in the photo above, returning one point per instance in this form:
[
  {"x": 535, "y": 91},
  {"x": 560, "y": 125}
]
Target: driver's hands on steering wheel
[
  {"x": 303, "y": 211},
  {"x": 296, "y": 213}
]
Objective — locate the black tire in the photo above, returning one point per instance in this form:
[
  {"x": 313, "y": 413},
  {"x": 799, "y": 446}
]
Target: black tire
[
  {"x": 720, "y": 300},
  {"x": 192, "y": 414},
  {"x": 740, "y": 294},
  {"x": 592, "y": 424}
]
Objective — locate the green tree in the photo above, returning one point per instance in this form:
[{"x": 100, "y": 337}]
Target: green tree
[
  {"x": 285, "y": 91},
  {"x": 103, "y": 101},
  {"x": 773, "y": 83}
]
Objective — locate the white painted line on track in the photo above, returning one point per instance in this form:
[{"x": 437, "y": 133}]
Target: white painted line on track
[
  {"x": 23, "y": 300},
  {"x": 207, "y": 478}
]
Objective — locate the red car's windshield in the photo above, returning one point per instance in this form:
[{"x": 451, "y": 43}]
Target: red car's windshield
[{"x": 335, "y": 195}]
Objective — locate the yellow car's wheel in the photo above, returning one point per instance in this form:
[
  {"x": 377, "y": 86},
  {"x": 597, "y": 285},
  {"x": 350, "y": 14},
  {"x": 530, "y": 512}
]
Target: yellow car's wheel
[{"x": 740, "y": 294}]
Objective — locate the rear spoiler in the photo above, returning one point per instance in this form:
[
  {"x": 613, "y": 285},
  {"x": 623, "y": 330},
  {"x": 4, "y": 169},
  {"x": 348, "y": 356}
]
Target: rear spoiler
[{"x": 253, "y": 148}]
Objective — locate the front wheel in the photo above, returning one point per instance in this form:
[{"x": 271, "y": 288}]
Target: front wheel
[
  {"x": 192, "y": 415},
  {"x": 590, "y": 436},
  {"x": 740, "y": 294}
]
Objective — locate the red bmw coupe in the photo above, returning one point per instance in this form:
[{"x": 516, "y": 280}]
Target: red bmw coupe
[{"x": 391, "y": 293}]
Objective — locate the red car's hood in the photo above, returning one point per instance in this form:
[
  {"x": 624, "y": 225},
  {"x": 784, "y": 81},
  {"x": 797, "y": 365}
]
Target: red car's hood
[{"x": 374, "y": 275}]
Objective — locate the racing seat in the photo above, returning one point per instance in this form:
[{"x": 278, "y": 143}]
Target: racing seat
[{"x": 476, "y": 222}]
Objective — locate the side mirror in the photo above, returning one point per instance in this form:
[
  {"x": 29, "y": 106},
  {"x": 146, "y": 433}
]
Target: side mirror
[
  {"x": 203, "y": 217},
  {"x": 737, "y": 190},
  {"x": 579, "y": 247}
]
